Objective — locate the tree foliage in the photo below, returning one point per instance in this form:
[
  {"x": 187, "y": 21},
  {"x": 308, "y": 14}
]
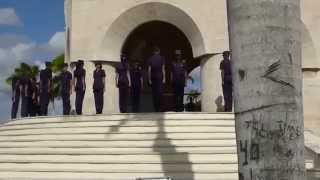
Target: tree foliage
[
  {"x": 57, "y": 66},
  {"x": 32, "y": 71},
  {"x": 23, "y": 70}
]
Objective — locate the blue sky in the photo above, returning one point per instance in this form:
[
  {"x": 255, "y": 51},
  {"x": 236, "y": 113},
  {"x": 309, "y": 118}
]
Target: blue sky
[
  {"x": 39, "y": 18},
  {"x": 31, "y": 31}
]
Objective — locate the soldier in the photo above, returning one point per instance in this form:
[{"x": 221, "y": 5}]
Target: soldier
[
  {"x": 24, "y": 86},
  {"x": 123, "y": 83},
  {"x": 66, "y": 89},
  {"x": 136, "y": 85},
  {"x": 15, "y": 97},
  {"x": 32, "y": 99},
  {"x": 226, "y": 76},
  {"x": 178, "y": 79},
  {"x": 99, "y": 76},
  {"x": 45, "y": 88},
  {"x": 79, "y": 75},
  {"x": 156, "y": 76}
]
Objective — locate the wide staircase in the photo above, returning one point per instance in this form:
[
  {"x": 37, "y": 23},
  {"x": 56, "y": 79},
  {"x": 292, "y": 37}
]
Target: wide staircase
[
  {"x": 120, "y": 147},
  {"x": 186, "y": 146}
]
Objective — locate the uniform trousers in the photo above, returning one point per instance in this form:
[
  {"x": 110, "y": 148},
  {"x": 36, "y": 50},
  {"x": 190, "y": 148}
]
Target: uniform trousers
[
  {"x": 157, "y": 94},
  {"x": 123, "y": 98},
  {"x": 32, "y": 107},
  {"x": 24, "y": 106},
  {"x": 178, "y": 90},
  {"x": 66, "y": 103},
  {"x": 44, "y": 102},
  {"x": 15, "y": 107},
  {"x": 79, "y": 101},
  {"x": 98, "y": 99},
  {"x": 136, "y": 95},
  {"x": 227, "y": 94}
]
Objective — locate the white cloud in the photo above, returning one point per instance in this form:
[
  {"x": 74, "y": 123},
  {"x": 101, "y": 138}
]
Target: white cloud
[
  {"x": 57, "y": 42},
  {"x": 8, "y": 17},
  {"x": 11, "y": 39}
]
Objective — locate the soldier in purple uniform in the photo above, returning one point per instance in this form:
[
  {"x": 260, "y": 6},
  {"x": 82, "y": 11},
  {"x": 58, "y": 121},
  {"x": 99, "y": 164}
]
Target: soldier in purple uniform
[
  {"x": 15, "y": 97},
  {"x": 33, "y": 92},
  {"x": 24, "y": 87},
  {"x": 45, "y": 88},
  {"x": 178, "y": 79},
  {"x": 123, "y": 83},
  {"x": 99, "y": 76},
  {"x": 66, "y": 89},
  {"x": 79, "y": 75},
  {"x": 136, "y": 86},
  {"x": 226, "y": 75},
  {"x": 156, "y": 75}
]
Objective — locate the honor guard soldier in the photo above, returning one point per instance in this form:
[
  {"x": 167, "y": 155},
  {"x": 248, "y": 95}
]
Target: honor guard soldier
[
  {"x": 79, "y": 75},
  {"x": 136, "y": 86},
  {"x": 24, "y": 86},
  {"x": 123, "y": 83},
  {"x": 156, "y": 75},
  {"x": 33, "y": 92},
  {"x": 45, "y": 88},
  {"x": 66, "y": 89},
  {"x": 178, "y": 79},
  {"x": 99, "y": 76},
  {"x": 15, "y": 97},
  {"x": 226, "y": 75}
]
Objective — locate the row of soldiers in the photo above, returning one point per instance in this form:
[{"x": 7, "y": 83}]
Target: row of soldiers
[{"x": 35, "y": 96}]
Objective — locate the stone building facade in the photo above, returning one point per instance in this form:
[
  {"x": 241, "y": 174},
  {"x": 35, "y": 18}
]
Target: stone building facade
[{"x": 98, "y": 30}]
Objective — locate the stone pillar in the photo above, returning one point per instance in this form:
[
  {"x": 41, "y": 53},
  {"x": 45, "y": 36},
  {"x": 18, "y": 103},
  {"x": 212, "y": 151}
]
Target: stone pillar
[
  {"x": 88, "y": 103},
  {"x": 267, "y": 82},
  {"x": 111, "y": 95},
  {"x": 211, "y": 85}
]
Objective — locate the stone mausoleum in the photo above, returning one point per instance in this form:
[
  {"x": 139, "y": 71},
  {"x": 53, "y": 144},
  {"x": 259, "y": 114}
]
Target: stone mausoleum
[
  {"x": 100, "y": 30},
  {"x": 183, "y": 146}
]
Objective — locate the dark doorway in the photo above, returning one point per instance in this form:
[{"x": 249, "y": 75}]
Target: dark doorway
[{"x": 138, "y": 47}]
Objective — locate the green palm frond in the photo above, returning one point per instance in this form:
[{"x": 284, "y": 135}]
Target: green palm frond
[
  {"x": 57, "y": 63},
  {"x": 23, "y": 70}
]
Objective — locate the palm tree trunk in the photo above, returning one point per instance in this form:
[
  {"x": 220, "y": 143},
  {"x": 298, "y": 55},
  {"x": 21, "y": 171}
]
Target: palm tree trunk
[{"x": 266, "y": 60}]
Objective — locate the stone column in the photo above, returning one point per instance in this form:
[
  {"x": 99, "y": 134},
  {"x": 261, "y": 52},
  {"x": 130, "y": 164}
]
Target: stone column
[
  {"x": 266, "y": 54},
  {"x": 211, "y": 85},
  {"x": 111, "y": 95},
  {"x": 88, "y": 103}
]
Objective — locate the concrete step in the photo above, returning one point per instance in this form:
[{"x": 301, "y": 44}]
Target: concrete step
[
  {"x": 116, "y": 151},
  {"x": 119, "y": 168},
  {"x": 313, "y": 174},
  {"x": 177, "y": 158},
  {"x": 114, "y": 123},
  {"x": 109, "y": 130},
  {"x": 191, "y": 146},
  {"x": 126, "y": 117},
  {"x": 134, "y": 144},
  {"x": 113, "y": 176},
  {"x": 119, "y": 137}
]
